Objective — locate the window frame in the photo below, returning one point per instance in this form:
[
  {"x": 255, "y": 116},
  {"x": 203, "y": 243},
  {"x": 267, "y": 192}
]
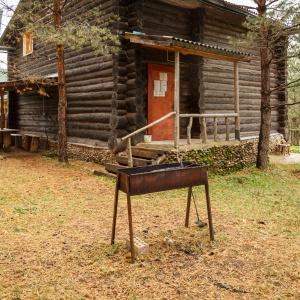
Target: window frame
[{"x": 27, "y": 43}]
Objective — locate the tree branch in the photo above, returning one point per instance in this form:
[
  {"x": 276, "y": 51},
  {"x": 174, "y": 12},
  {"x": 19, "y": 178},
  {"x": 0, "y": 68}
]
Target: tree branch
[
  {"x": 285, "y": 86},
  {"x": 286, "y": 104}
]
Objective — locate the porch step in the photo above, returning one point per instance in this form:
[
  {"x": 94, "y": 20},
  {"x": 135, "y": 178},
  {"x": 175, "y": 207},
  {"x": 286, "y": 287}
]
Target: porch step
[
  {"x": 141, "y": 157},
  {"x": 137, "y": 162},
  {"x": 147, "y": 153}
]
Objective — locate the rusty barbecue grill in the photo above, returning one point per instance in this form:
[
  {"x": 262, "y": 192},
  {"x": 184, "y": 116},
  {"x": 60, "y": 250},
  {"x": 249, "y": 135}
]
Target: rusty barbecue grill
[{"x": 152, "y": 179}]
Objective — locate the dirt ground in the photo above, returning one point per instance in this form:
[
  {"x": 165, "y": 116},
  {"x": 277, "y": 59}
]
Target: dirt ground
[{"x": 56, "y": 223}]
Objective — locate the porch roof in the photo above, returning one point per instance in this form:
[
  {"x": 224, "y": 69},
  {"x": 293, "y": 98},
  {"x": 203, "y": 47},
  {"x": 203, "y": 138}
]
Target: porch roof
[
  {"x": 187, "y": 47},
  {"x": 23, "y": 84}
]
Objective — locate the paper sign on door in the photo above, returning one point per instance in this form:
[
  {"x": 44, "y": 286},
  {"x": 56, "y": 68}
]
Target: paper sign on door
[
  {"x": 161, "y": 86},
  {"x": 157, "y": 92}
]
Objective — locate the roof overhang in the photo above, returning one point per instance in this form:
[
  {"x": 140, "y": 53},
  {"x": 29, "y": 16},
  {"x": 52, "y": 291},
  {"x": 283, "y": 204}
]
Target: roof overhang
[
  {"x": 27, "y": 84},
  {"x": 186, "y": 47},
  {"x": 221, "y": 4}
]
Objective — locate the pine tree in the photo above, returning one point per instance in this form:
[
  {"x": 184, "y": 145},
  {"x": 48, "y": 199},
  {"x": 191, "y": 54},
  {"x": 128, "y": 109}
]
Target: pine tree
[
  {"x": 48, "y": 24},
  {"x": 274, "y": 29}
]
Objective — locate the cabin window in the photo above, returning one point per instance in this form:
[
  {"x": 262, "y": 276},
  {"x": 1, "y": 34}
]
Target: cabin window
[{"x": 27, "y": 43}]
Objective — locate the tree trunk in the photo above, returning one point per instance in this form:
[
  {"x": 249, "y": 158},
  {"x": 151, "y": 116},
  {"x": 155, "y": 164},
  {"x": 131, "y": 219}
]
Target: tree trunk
[
  {"x": 62, "y": 102},
  {"x": 266, "y": 111},
  {"x": 62, "y": 106}
]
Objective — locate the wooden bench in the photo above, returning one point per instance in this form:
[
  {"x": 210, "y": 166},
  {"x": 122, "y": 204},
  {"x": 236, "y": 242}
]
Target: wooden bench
[
  {"x": 6, "y": 138},
  {"x": 30, "y": 142},
  {"x": 284, "y": 149},
  {"x": 16, "y": 140}
]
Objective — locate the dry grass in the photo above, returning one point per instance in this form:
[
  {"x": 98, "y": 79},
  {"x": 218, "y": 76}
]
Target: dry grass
[{"x": 55, "y": 229}]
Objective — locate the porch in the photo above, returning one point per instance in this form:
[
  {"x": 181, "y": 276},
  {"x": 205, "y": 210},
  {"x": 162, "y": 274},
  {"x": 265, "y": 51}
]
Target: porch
[{"x": 220, "y": 124}]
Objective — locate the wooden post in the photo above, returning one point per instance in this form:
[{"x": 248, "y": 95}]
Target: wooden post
[
  {"x": 177, "y": 101},
  {"x": 189, "y": 131},
  {"x": 215, "y": 129},
  {"x": 204, "y": 129},
  {"x": 227, "y": 129},
  {"x": 237, "y": 101},
  {"x": 2, "y": 120},
  {"x": 129, "y": 151}
]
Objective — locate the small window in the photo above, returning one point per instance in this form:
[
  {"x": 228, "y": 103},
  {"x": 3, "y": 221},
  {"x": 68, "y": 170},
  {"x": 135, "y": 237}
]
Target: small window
[{"x": 27, "y": 43}]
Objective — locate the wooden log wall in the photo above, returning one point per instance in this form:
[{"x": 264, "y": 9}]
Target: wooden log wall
[
  {"x": 217, "y": 77},
  {"x": 154, "y": 17},
  {"x": 107, "y": 96},
  {"x": 35, "y": 113},
  {"x": 95, "y": 88}
]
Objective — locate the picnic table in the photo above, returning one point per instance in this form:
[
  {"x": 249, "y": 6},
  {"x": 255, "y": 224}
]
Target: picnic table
[{"x": 5, "y": 138}]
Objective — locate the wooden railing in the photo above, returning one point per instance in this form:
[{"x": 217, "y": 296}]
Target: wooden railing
[
  {"x": 294, "y": 136},
  {"x": 203, "y": 120},
  {"x": 129, "y": 136},
  {"x": 203, "y": 123}
]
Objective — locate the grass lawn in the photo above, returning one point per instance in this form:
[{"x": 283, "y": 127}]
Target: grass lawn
[
  {"x": 295, "y": 149},
  {"x": 55, "y": 231}
]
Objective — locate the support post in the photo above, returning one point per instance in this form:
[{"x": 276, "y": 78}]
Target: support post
[
  {"x": 2, "y": 120},
  {"x": 188, "y": 207},
  {"x": 113, "y": 234},
  {"x": 237, "y": 101},
  {"x": 209, "y": 213},
  {"x": 131, "y": 237},
  {"x": 215, "y": 129},
  {"x": 177, "y": 101},
  {"x": 227, "y": 129},
  {"x": 129, "y": 151},
  {"x": 189, "y": 131},
  {"x": 203, "y": 129}
]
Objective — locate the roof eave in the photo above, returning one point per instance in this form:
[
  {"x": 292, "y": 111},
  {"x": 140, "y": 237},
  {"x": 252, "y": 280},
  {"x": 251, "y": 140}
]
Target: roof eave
[{"x": 170, "y": 44}]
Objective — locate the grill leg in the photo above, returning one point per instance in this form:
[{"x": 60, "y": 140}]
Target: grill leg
[
  {"x": 130, "y": 229},
  {"x": 113, "y": 234},
  {"x": 210, "y": 223},
  {"x": 188, "y": 207}
]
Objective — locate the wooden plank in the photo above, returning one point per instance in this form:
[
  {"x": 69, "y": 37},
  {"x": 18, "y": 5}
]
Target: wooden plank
[
  {"x": 146, "y": 152},
  {"x": 217, "y": 115}
]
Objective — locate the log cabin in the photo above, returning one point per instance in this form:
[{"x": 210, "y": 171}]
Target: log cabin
[{"x": 176, "y": 64}]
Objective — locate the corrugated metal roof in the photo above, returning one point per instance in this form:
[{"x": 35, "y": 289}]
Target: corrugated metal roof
[
  {"x": 209, "y": 46},
  {"x": 173, "y": 41},
  {"x": 231, "y": 6}
]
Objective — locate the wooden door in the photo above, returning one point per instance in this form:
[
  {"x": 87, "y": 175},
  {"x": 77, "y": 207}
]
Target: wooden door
[{"x": 161, "y": 101}]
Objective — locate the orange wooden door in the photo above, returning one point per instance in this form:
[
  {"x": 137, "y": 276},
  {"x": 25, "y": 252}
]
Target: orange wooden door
[{"x": 160, "y": 101}]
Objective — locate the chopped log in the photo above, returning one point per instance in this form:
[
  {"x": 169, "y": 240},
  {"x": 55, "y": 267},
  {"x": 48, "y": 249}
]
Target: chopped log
[
  {"x": 34, "y": 144},
  {"x": 26, "y": 140}
]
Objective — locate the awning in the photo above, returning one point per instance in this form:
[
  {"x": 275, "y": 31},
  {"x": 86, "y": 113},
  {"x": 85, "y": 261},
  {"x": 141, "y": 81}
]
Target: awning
[
  {"x": 186, "y": 47},
  {"x": 27, "y": 84}
]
